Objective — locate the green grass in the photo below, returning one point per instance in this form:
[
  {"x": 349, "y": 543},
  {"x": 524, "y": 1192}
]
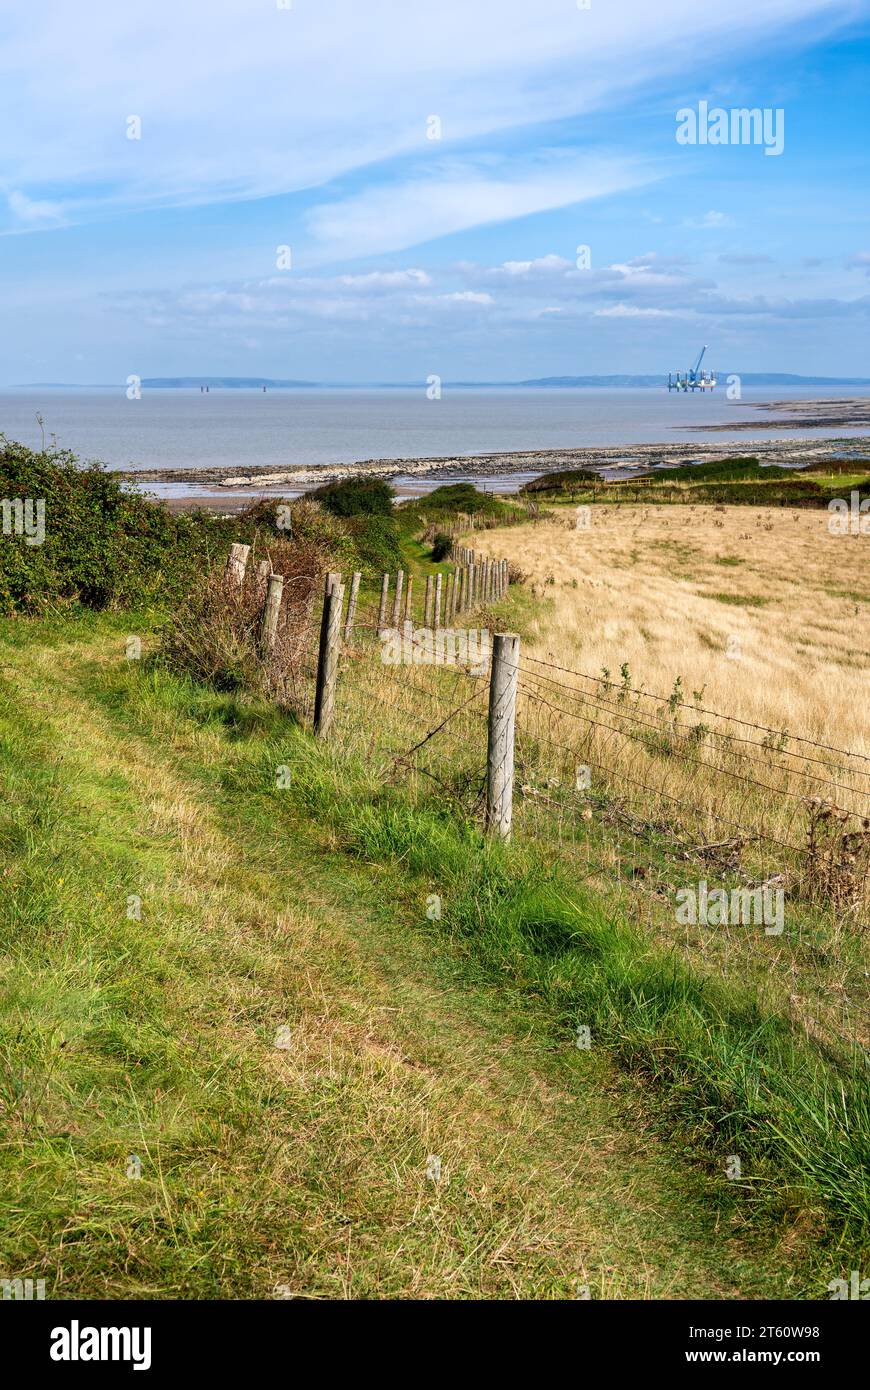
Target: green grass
[
  {"x": 305, "y": 907},
  {"x": 739, "y": 600},
  {"x": 155, "y": 1037}
]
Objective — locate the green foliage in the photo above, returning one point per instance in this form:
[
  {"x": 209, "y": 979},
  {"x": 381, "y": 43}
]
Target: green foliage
[
  {"x": 356, "y": 497},
  {"x": 721, "y": 471},
  {"x": 301, "y": 522},
  {"x": 376, "y": 543},
  {"x": 449, "y": 503},
  {"x": 440, "y": 547},
  {"x": 729, "y": 1074},
  {"x": 563, "y": 481},
  {"x": 103, "y": 546}
]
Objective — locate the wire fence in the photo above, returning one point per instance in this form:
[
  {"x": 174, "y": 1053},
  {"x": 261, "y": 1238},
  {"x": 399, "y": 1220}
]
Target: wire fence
[{"x": 593, "y": 757}]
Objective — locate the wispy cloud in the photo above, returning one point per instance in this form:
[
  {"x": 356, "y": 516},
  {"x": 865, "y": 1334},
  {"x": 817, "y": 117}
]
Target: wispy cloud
[
  {"x": 34, "y": 212},
  {"x": 243, "y": 101},
  {"x": 459, "y": 194}
]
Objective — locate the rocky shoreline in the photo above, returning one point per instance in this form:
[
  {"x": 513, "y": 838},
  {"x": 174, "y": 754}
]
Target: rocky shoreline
[
  {"x": 612, "y": 460},
  {"x": 851, "y": 413}
]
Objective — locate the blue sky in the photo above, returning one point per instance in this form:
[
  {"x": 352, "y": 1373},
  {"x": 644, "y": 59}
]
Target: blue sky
[{"x": 308, "y": 127}]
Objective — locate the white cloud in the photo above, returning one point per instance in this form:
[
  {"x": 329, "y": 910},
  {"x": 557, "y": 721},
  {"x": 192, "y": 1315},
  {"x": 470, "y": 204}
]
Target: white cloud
[
  {"x": 543, "y": 264},
  {"x": 710, "y": 221},
  {"x": 467, "y": 297},
  {"x": 34, "y": 212},
  {"x": 459, "y": 194},
  {"x": 240, "y": 100},
  {"x": 634, "y": 311}
]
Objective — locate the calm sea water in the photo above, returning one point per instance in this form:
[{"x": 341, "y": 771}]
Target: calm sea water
[{"x": 186, "y": 428}]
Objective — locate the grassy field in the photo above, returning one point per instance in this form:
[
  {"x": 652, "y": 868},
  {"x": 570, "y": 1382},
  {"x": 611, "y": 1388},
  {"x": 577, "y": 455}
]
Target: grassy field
[
  {"x": 668, "y": 590},
  {"x": 278, "y": 1020},
  {"x": 299, "y": 1169}
]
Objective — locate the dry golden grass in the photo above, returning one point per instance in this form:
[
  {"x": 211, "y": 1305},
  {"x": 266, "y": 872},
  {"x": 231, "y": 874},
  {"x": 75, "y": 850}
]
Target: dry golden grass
[
  {"x": 757, "y": 614},
  {"x": 652, "y": 585}
]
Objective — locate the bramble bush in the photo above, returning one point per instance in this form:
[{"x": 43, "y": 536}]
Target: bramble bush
[{"x": 103, "y": 546}]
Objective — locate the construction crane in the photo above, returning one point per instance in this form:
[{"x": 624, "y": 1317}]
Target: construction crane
[{"x": 693, "y": 379}]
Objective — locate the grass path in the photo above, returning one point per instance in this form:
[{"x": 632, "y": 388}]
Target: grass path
[{"x": 301, "y": 1168}]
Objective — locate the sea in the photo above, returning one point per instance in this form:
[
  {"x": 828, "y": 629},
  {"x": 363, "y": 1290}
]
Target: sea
[{"x": 293, "y": 427}]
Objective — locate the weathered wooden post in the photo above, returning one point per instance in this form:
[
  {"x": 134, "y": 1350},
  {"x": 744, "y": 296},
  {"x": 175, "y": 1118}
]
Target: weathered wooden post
[
  {"x": 351, "y": 604},
  {"x": 397, "y": 601},
  {"x": 264, "y": 569},
  {"x": 271, "y": 609},
  {"x": 327, "y": 661},
  {"x": 237, "y": 563},
  {"x": 427, "y": 609},
  {"x": 408, "y": 591},
  {"x": 382, "y": 612},
  {"x": 437, "y": 622},
  {"x": 503, "y": 683},
  {"x": 450, "y": 601}
]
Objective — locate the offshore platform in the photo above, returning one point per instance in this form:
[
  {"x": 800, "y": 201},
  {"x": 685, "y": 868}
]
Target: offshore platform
[{"x": 693, "y": 379}]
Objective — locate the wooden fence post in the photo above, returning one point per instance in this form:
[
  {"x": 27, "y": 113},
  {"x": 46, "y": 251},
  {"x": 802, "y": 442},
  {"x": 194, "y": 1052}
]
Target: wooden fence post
[
  {"x": 237, "y": 563},
  {"x": 397, "y": 601},
  {"x": 503, "y": 683},
  {"x": 427, "y": 615},
  {"x": 351, "y": 604},
  {"x": 327, "y": 661},
  {"x": 450, "y": 602},
  {"x": 382, "y": 613},
  {"x": 264, "y": 569},
  {"x": 408, "y": 591},
  {"x": 271, "y": 609},
  {"x": 437, "y": 622}
]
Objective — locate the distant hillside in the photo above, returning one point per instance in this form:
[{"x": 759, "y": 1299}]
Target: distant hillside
[
  {"x": 747, "y": 379},
  {"x": 224, "y": 382},
  {"x": 241, "y": 383}
]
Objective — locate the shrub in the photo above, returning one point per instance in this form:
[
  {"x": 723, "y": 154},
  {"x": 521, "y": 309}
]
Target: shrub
[
  {"x": 214, "y": 634},
  {"x": 440, "y": 547},
  {"x": 376, "y": 543},
  {"x": 563, "y": 481},
  {"x": 301, "y": 521},
  {"x": 103, "y": 546},
  {"x": 355, "y": 497}
]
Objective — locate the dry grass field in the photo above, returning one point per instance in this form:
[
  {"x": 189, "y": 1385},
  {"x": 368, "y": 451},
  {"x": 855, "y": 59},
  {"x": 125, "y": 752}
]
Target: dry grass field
[
  {"x": 708, "y": 666},
  {"x": 762, "y": 609}
]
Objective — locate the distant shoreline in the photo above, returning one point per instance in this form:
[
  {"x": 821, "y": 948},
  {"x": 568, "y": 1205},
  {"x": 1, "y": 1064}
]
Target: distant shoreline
[{"x": 609, "y": 460}]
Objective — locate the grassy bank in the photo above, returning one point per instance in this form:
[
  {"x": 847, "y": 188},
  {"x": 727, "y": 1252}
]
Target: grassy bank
[{"x": 301, "y": 1169}]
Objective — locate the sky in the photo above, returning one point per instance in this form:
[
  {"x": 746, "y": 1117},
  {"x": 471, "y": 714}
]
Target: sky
[{"x": 383, "y": 190}]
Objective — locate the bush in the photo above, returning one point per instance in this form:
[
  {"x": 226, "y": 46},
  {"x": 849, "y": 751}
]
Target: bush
[
  {"x": 563, "y": 481},
  {"x": 452, "y": 502},
  {"x": 356, "y": 497},
  {"x": 441, "y": 545},
  {"x": 376, "y": 543},
  {"x": 214, "y": 634},
  {"x": 102, "y": 546}
]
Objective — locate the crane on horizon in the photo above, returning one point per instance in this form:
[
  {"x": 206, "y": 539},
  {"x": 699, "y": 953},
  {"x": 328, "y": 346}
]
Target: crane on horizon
[{"x": 694, "y": 379}]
